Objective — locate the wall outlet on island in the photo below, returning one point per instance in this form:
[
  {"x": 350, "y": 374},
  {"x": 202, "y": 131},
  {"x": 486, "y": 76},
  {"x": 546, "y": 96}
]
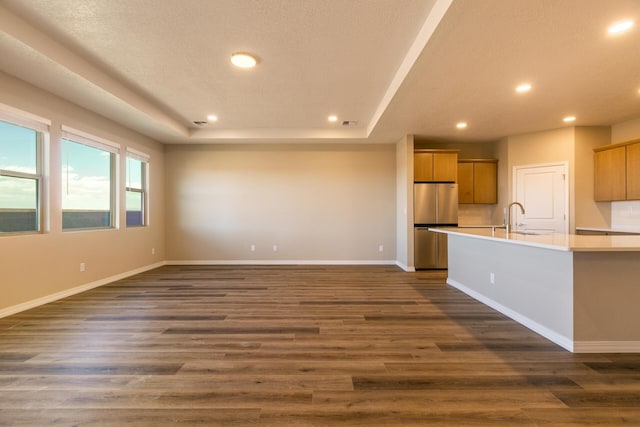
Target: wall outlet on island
[
  {"x": 153, "y": 251},
  {"x": 492, "y": 278},
  {"x": 275, "y": 248},
  {"x": 253, "y": 248},
  {"x": 82, "y": 266},
  {"x": 380, "y": 248}
]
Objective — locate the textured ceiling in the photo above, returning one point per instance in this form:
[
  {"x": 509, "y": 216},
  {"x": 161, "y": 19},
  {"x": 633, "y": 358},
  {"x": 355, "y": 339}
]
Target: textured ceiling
[{"x": 396, "y": 66}]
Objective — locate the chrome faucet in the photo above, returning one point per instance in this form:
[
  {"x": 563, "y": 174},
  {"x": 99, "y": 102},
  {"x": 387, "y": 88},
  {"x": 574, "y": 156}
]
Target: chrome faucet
[{"x": 508, "y": 224}]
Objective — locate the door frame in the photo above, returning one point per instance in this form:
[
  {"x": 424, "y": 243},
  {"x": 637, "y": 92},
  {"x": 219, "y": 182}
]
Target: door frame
[{"x": 565, "y": 168}]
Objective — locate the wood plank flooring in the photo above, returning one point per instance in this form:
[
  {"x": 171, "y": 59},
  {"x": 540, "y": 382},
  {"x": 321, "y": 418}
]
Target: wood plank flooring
[{"x": 297, "y": 346}]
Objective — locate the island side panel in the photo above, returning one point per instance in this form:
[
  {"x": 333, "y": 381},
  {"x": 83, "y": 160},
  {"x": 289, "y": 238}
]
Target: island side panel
[
  {"x": 533, "y": 286},
  {"x": 607, "y": 301}
]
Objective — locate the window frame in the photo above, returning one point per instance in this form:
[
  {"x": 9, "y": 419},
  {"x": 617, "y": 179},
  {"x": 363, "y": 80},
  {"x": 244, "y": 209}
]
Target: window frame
[
  {"x": 92, "y": 141},
  {"x": 144, "y": 191},
  {"x": 41, "y": 127}
]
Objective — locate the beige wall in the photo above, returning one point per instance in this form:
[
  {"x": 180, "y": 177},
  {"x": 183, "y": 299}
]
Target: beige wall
[
  {"x": 588, "y": 212},
  {"x": 404, "y": 202},
  {"x": 38, "y": 265},
  {"x": 315, "y": 202},
  {"x": 504, "y": 183},
  {"x": 468, "y": 150},
  {"x": 625, "y": 131}
]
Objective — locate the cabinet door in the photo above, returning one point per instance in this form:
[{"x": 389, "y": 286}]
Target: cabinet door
[
  {"x": 423, "y": 166},
  {"x": 485, "y": 183},
  {"x": 633, "y": 172},
  {"x": 443, "y": 251},
  {"x": 445, "y": 167},
  {"x": 610, "y": 175},
  {"x": 425, "y": 248},
  {"x": 465, "y": 182}
]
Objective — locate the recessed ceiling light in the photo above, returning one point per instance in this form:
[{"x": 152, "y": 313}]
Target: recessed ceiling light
[
  {"x": 620, "y": 27},
  {"x": 243, "y": 60},
  {"x": 212, "y": 118},
  {"x": 461, "y": 125},
  {"x": 569, "y": 119},
  {"x": 524, "y": 87},
  {"x": 332, "y": 118}
]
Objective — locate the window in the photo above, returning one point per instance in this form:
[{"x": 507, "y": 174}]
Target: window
[
  {"x": 20, "y": 178},
  {"x": 136, "y": 189},
  {"x": 88, "y": 182}
]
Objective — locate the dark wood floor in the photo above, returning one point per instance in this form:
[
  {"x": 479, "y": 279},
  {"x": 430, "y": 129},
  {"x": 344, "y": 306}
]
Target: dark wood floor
[{"x": 303, "y": 346}]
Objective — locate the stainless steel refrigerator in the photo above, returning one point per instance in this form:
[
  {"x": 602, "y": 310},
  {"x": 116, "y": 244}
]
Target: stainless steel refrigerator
[{"x": 434, "y": 205}]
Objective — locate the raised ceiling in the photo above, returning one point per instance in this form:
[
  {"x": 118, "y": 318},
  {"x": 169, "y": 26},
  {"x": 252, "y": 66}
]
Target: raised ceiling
[{"x": 396, "y": 67}]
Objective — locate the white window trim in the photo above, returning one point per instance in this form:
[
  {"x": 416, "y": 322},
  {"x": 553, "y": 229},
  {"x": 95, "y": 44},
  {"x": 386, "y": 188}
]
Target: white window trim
[
  {"x": 144, "y": 158},
  {"x": 90, "y": 140},
  {"x": 22, "y": 118},
  {"x": 138, "y": 155},
  {"x": 41, "y": 125}
]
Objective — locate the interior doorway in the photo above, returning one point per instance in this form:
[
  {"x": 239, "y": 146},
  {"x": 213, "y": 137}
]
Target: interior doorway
[{"x": 544, "y": 192}]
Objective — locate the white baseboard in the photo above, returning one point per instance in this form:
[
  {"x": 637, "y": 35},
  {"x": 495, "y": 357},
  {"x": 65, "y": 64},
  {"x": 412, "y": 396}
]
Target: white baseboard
[
  {"x": 279, "y": 262},
  {"x": 561, "y": 340},
  {"x": 606, "y": 347},
  {"x": 66, "y": 293},
  {"x": 405, "y": 267}
]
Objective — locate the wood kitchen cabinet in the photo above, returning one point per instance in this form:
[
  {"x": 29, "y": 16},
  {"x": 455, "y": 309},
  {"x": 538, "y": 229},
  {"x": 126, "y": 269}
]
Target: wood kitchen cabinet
[
  {"x": 633, "y": 171},
  {"x": 478, "y": 181},
  {"x": 609, "y": 170},
  {"x": 465, "y": 182},
  {"x": 435, "y": 165},
  {"x": 423, "y": 166},
  {"x": 617, "y": 172}
]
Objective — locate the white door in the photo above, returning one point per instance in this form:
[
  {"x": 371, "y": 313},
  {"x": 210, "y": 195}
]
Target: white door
[{"x": 543, "y": 190}]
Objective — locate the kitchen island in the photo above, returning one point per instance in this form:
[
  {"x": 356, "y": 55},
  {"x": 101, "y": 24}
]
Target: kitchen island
[{"x": 581, "y": 292}]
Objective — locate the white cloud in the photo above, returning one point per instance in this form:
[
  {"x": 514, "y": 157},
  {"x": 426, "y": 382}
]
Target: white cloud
[
  {"x": 86, "y": 192},
  {"x": 16, "y": 193}
]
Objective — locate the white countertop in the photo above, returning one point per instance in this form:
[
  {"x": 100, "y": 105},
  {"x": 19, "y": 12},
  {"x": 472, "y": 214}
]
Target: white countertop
[{"x": 555, "y": 241}]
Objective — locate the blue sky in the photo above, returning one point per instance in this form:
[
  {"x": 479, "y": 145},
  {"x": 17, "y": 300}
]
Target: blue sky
[
  {"x": 17, "y": 148},
  {"x": 17, "y": 153},
  {"x": 85, "y": 172}
]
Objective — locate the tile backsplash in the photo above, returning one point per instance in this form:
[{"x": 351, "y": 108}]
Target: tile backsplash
[
  {"x": 625, "y": 214},
  {"x": 477, "y": 215}
]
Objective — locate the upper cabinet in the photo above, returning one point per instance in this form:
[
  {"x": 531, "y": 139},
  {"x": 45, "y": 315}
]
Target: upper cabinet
[
  {"x": 617, "y": 172},
  {"x": 478, "y": 181},
  {"x": 435, "y": 165},
  {"x": 633, "y": 171},
  {"x": 465, "y": 182}
]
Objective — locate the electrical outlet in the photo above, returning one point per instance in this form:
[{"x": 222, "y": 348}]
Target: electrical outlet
[
  {"x": 380, "y": 248},
  {"x": 275, "y": 248},
  {"x": 492, "y": 278},
  {"x": 153, "y": 251},
  {"x": 253, "y": 248},
  {"x": 82, "y": 266}
]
